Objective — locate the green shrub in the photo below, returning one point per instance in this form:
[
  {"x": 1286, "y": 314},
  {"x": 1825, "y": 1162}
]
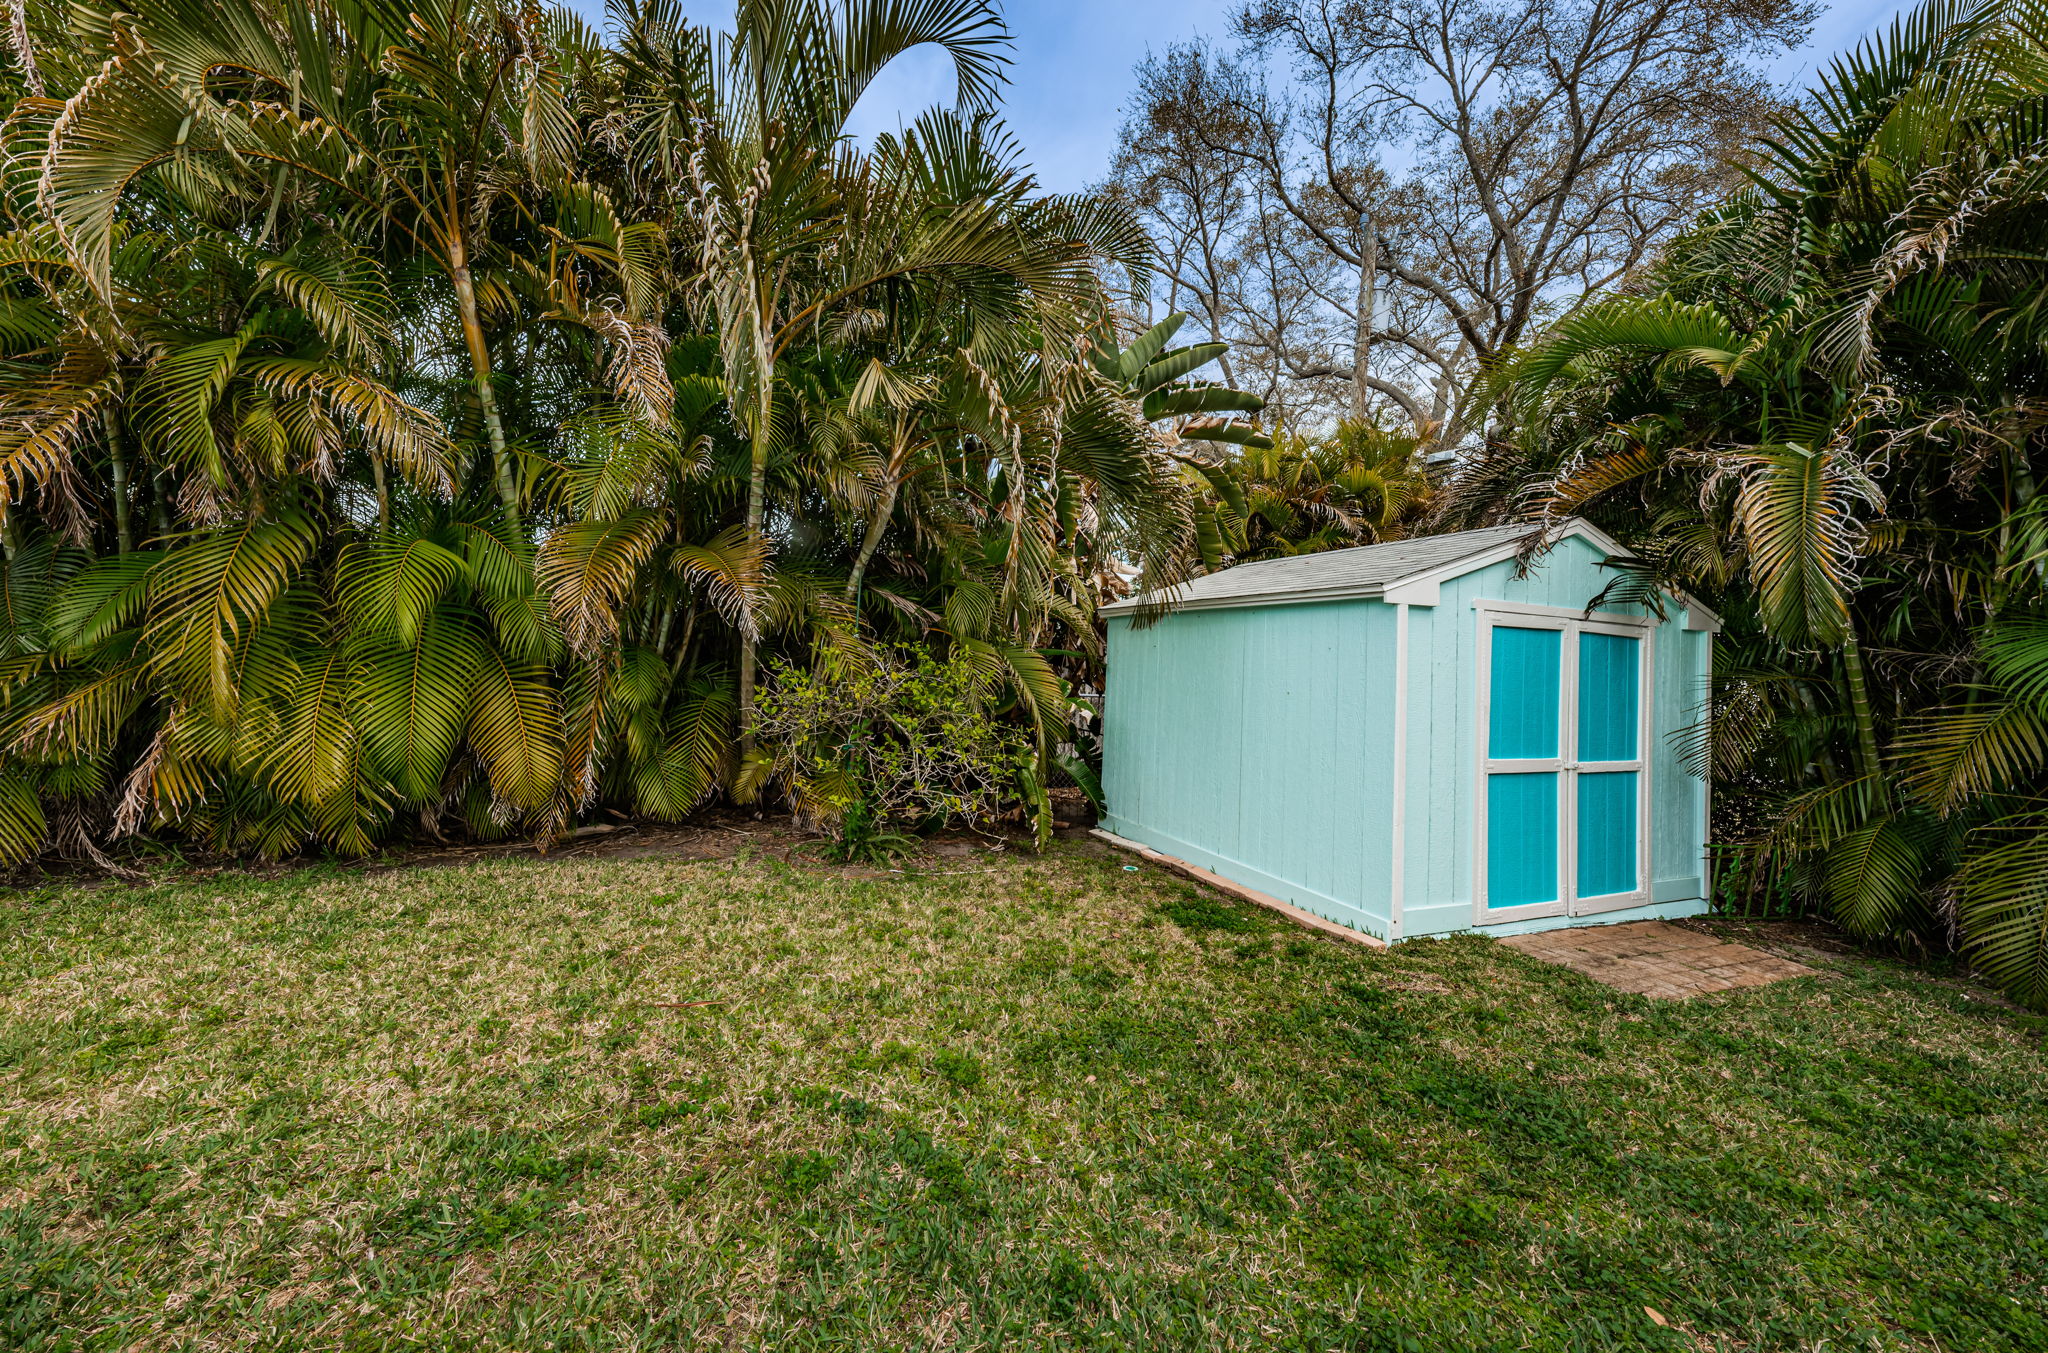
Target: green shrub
[{"x": 900, "y": 739}]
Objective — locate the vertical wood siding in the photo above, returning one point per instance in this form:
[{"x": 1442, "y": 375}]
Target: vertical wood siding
[
  {"x": 1678, "y": 832},
  {"x": 1442, "y": 755},
  {"x": 1258, "y": 741}
]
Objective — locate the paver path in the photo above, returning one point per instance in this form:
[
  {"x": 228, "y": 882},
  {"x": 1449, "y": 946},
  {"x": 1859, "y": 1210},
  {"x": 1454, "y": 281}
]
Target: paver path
[{"x": 1655, "y": 959}]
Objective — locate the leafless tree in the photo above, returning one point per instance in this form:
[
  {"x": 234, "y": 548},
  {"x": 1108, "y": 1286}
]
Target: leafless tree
[
  {"x": 1373, "y": 198},
  {"x": 1194, "y": 197}
]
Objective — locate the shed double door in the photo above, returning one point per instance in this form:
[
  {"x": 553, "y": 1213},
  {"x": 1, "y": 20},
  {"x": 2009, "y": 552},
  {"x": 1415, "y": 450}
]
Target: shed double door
[{"x": 1563, "y": 801}]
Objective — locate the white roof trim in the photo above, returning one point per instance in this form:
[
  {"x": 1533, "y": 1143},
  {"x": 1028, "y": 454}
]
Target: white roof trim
[
  {"x": 1421, "y": 588},
  {"x": 1298, "y": 598},
  {"x": 1698, "y": 616}
]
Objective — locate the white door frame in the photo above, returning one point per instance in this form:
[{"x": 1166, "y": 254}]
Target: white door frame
[{"x": 1570, "y": 623}]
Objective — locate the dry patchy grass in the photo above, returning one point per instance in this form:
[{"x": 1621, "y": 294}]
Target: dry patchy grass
[{"x": 1031, "y": 1103}]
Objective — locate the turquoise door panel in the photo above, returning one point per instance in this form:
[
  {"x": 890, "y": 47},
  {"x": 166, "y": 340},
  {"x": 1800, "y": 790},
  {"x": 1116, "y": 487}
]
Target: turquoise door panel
[
  {"x": 1521, "y": 839},
  {"x": 1607, "y": 833},
  {"x": 1609, "y": 690},
  {"x": 1562, "y": 784},
  {"x": 1522, "y": 724}
]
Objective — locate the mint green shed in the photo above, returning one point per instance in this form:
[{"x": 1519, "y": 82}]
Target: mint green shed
[{"x": 1418, "y": 737}]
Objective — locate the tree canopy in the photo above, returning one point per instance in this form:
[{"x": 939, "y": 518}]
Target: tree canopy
[
  {"x": 1824, "y": 405},
  {"x": 424, "y": 420}
]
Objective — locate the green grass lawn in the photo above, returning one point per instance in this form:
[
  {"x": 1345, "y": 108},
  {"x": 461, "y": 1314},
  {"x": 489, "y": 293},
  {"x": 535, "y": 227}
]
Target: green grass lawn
[{"x": 1034, "y": 1103}]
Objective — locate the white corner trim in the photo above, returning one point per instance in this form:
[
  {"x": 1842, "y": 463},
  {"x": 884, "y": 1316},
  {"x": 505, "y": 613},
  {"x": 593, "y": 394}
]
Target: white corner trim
[
  {"x": 1397, "y": 882},
  {"x": 1699, "y": 619},
  {"x": 1706, "y": 783}
]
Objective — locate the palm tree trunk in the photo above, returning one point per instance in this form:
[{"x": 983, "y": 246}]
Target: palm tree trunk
[
  {"x": 480, "y": 365},
  {"x": 383, "y": 492},
  {"x": 872, "y": 541},
  {"x": 117, "y": 456},
  {"x": 682, "y": 657},
  {"x": 757, "y": 502},
  {"x": 1868, "y": 764}
]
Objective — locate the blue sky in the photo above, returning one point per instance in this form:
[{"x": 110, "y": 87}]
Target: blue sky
[{"x": 1073, "y": 69}]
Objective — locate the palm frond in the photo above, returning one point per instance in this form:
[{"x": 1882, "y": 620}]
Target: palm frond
[
  {"x": 1796, "y": 512},
  {"x": 211, "y": 593},
  {"x": 411, "y": 703},
  {"x": 341, "y": 291},
  {"x": 731, "y": 569},
  {"x": 1968, "y": 751},
  {"x": 101, "y": 599},
  {"x": 587, "y": 570},
  {"x": 389, "y": 585},
  {"x": 515, "y": 725},
  {"x": 23, "y": 827}
]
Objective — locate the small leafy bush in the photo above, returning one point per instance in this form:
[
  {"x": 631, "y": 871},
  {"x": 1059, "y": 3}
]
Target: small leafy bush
[
  {"x": 900, "y": 739},
  {"x": 863, "y": 838}
]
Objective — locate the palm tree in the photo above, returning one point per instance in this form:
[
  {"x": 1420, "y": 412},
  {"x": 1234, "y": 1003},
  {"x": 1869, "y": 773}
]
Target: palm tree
[
  {"x": 1294, "y": 494},
  {"x": 1357, "y": 484},
  {"x": 801, "y": 235},
  {"x": 1827, "y": 407},
  {"x": 285, "y": 276},
  {"x": 429, "y": 124},
  {"x": 246, "y": 388}
]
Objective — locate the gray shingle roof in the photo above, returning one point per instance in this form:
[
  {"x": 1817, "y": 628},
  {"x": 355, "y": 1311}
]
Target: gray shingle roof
[{"x": 1360, "y": 571}]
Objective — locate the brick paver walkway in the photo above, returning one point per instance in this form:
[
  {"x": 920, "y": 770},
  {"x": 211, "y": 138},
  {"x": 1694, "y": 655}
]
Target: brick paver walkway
[{"x": 1652, "y": 958}]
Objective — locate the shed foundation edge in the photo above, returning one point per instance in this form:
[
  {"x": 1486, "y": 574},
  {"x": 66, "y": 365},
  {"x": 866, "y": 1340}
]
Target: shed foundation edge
[{"x": 1211, "y": 879}]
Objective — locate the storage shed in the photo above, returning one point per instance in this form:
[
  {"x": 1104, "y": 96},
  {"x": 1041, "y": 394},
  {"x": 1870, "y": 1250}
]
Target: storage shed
[{"x": 1418, "y": 737}]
